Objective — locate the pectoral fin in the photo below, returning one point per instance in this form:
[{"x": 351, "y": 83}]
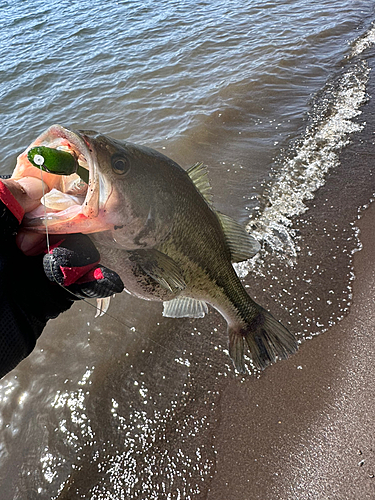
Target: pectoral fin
[
  {"x": 184, "y": 307},
  {"x": 160, "y": 267},
  {"x": 242, "y": 245},
  {"x": 102, "y": 306}
]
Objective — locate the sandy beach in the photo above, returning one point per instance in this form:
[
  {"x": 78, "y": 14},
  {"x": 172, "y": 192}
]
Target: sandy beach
[{"x": 305, "y": 429}]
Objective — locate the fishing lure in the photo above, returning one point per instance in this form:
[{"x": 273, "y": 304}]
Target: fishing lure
[{"x": 56, "y": 161}]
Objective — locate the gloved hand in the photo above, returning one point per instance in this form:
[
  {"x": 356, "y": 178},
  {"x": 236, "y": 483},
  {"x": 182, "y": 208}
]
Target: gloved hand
[{"x": 73, "y": 262}]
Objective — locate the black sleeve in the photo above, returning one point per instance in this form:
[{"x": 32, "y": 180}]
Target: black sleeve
[{"x": 27, "y": 298}]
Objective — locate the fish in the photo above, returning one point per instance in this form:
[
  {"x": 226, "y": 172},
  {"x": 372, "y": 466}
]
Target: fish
[{"x": 155, "y": 224}]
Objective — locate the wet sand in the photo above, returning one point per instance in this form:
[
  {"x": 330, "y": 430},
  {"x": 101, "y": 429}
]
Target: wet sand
[{"x": 305, "y": 428}]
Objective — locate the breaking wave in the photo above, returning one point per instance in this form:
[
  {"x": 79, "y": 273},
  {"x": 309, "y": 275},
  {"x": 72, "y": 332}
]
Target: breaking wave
[{"x": 333, "y": 120}]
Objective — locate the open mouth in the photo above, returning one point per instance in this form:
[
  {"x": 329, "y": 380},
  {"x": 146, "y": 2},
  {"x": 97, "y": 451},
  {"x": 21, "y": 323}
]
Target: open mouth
[{"x": 70, "y": 195}]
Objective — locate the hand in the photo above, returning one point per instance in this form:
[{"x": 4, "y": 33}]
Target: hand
[{"x": 72, "y": 260}]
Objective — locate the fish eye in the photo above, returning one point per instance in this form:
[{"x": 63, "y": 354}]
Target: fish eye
[{"x": 120, "y": 165}]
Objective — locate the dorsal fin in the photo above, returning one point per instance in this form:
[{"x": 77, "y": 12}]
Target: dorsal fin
[
  {"x": 241, "y": 244},
  {"x": 198, "y": 173}
]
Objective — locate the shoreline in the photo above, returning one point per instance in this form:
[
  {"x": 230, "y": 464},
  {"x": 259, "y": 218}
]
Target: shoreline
[{"x": 304, "y": 429}]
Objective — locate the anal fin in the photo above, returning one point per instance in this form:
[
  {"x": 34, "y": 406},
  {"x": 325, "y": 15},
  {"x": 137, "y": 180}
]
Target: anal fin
[{"x": 184, "y": 307}]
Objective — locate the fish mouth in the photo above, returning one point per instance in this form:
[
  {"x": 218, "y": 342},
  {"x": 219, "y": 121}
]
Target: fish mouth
[{"x": 71, "y": 205}]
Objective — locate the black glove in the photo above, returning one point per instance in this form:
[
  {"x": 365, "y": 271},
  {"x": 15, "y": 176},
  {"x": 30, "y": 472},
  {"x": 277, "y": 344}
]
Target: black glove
[{"x": 74, "y": 263}]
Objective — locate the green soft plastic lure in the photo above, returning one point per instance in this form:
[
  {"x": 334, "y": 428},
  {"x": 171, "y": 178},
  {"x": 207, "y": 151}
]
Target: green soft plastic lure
[{"x": 56, "y": 161}]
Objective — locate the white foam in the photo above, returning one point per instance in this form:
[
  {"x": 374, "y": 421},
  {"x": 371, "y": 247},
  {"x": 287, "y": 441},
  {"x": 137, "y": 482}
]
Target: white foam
[
  {"x": 300, "y": 175},
  {"x": 364, "y": 42}
]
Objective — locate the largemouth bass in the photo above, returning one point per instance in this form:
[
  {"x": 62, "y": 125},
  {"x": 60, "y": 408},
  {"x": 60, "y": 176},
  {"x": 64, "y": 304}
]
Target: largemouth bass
[{"x": 155, "y": 225}]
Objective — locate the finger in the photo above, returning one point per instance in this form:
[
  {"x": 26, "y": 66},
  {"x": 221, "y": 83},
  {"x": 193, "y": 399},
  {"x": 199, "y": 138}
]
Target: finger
[{"x": 34, "y": 189}]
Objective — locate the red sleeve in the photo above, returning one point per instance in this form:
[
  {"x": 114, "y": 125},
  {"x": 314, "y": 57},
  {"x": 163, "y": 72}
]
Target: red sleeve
[{"x": 11, "y": 203}]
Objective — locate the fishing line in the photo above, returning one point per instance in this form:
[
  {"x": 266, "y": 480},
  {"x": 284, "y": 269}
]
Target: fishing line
[{"x": 122, "y": 323}]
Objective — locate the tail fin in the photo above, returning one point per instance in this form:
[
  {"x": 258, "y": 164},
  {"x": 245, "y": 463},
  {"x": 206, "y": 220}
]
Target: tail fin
[{"x": 266, "y": 339}]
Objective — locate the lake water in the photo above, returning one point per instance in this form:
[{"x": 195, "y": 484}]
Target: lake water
[{"x": 268, "y": 94}]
